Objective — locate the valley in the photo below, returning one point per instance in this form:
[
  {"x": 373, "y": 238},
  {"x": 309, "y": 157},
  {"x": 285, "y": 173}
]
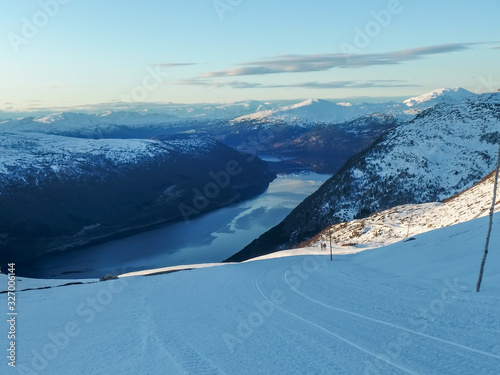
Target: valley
[
  {"x": 119, "y": 174},
  {"x": 209, "y": 238}
]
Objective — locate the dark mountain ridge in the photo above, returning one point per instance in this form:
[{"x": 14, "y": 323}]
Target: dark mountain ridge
[{"x": 74, "y": 193}]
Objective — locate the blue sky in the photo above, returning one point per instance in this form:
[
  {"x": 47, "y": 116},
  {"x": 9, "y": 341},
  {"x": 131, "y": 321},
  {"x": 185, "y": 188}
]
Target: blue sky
[{"x": 65, "y": 53}]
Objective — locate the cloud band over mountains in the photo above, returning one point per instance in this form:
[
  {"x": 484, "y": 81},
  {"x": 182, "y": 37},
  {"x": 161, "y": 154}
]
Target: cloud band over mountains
[
  {"x": 323, "y": 62},
  {"x": 307, "y": 85}
]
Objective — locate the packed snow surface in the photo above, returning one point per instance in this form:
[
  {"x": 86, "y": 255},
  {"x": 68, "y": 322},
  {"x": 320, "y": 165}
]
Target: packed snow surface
[{"x": 408, "y": 308}]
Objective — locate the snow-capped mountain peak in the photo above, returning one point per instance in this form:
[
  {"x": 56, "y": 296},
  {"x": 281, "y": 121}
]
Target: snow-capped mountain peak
[
  {"x": 136, "y": 118},
  {"x": 310, "y": 111},
  {"x": 310, "y": 102},
  {"x": 51, "y": 118},
  {"x": 318, "y": 108},
  {"x": 69, "y": 117},
  {"x": 447, "y": 95}
]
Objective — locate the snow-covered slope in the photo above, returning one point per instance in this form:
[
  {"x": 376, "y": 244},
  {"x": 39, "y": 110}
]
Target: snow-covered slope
[
  {"x": 408, "y": 308},
  {"x": 91, "y": 125},
  {"x": 444, "y": 150},
  {"x": 28, "y": 157},
  {"x": 398, "y": 223},
  {"x": 444, "y": 95}
]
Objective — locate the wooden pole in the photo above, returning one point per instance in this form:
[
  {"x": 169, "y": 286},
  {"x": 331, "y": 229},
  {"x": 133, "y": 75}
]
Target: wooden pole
[{"x": 492, "y": 211}]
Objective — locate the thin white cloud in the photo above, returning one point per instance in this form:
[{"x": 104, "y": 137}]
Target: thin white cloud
[
  {"x": 323, "y": 62},
  {"x": 307, "y": 85},
  {"x": 346, "y": 84},
  {"x": 218, "y": 84}
]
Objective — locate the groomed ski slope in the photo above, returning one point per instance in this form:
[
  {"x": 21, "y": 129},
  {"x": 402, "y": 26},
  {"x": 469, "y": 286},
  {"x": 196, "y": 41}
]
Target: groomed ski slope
[{"x": 407, "y": 308}]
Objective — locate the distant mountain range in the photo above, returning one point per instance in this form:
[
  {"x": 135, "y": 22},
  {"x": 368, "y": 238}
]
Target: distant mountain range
[{"x": 140, "y": 124}]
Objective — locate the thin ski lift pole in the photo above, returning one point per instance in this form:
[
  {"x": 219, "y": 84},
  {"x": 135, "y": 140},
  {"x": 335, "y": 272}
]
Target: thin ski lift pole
[
  {"x": 409, "y": 223},
  {"x": 331, "y": 257},
  {"x": 492, "y": 211}
]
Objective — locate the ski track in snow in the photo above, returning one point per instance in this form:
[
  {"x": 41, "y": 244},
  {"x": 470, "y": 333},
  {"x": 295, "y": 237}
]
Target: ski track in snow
[
  {"x": 367, "y": 334},
  {"x": 150, "y": 341},
  {"x": 187, "y": 358},
  {"x": 336, "y": 336},
  {"x": 389, "y": 324}
]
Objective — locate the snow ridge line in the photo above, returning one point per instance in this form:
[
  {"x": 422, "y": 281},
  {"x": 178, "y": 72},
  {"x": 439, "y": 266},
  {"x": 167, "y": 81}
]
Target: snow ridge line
[
  {"x": 338, "y": 337},
  {"x": 390, "y": 324}
]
